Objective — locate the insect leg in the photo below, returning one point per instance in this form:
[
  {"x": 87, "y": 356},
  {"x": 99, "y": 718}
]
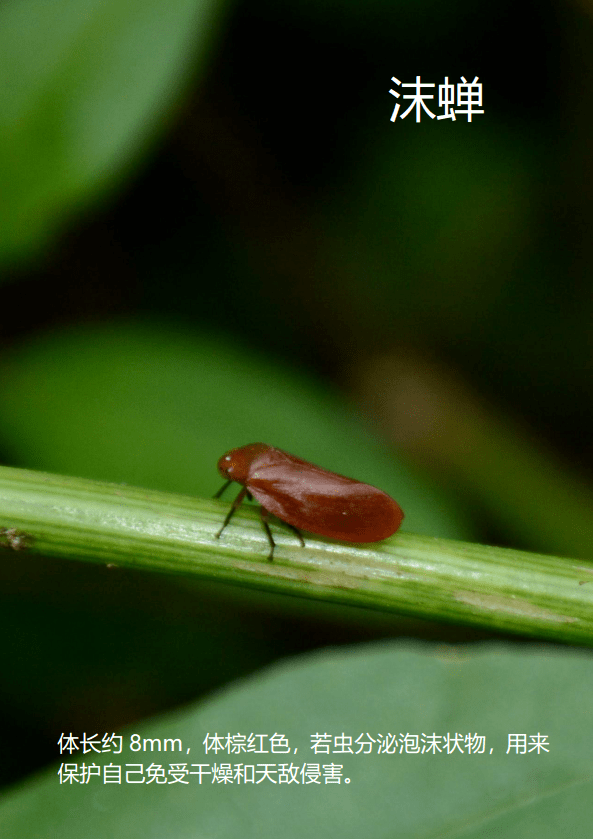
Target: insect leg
[
  {"x": 234, "y": 506},
  {"x": 222, "y": 489},
  {"x": 264, "y": 520},
  {"x": 297, "y": 533}
]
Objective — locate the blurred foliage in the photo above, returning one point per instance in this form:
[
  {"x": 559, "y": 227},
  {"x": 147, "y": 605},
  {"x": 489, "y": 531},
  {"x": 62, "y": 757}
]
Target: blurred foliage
[
  {"x": 157, "y": 408},
  {"x": 208, "y": 225},
  {"x": 376, "y": 694},
  {"x": 84, "y": 82}
]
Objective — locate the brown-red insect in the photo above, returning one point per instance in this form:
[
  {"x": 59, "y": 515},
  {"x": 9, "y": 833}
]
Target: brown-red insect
[{"x": 307, "y": 497}]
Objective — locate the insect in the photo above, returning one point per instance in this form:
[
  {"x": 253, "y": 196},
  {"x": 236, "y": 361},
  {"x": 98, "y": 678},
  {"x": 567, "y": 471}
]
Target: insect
[{"x": 307, "y": 497}]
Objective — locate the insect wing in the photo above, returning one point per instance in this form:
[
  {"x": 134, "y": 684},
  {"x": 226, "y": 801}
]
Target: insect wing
[{"x": 322, "y": 502}]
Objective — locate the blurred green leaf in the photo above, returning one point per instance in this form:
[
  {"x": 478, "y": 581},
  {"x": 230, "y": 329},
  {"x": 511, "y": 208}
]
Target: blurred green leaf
[
  {"x": 155, "y": 407},
  {"x": 379, "y": 690},
  {"x": 83, "y": 86}
]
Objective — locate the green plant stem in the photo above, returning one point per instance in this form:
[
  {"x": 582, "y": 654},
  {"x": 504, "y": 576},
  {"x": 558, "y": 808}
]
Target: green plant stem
[{"x": 495, "y": 588}]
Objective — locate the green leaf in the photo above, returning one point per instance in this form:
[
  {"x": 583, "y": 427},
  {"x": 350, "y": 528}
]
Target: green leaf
[
  {"x": 395, "y": 688},
  {"x": 155, "y": 407},
  {"x": 84, "y": 84}
]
